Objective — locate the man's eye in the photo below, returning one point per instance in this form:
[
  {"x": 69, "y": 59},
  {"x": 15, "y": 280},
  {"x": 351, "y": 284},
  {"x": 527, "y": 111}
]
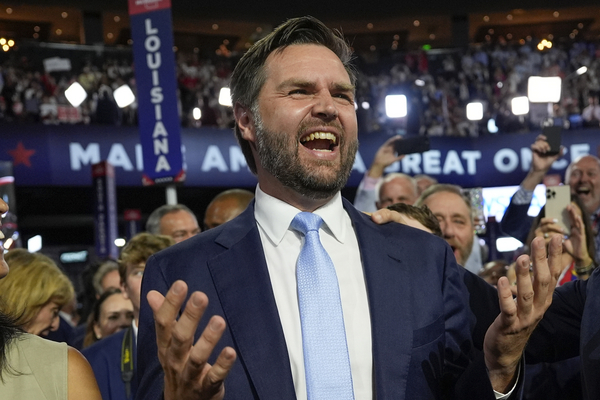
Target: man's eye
[
  {"x": 298, "y": 91},
  {"x": 344, "y": 96}
]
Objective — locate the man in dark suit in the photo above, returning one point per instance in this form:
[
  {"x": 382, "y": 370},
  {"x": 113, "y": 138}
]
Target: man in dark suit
[
  {"x": 114, "y": 358},
  {"x": 405, "y": 306}
]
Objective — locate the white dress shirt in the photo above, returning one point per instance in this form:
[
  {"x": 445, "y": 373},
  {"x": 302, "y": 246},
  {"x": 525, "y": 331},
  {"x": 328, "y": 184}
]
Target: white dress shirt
[{"x": 281, "y": 246}]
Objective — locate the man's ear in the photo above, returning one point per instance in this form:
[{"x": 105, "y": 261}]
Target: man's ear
[
  {"x": 124, "y": 290},
  {"x": 245, "y": 122}
]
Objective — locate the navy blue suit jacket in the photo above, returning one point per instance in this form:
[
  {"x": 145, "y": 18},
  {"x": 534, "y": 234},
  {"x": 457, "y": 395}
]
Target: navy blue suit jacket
[
  {"x": 419, "y": 307},
  {"x": 571, "y": 327},
  {"x": 105, "y": 358}
]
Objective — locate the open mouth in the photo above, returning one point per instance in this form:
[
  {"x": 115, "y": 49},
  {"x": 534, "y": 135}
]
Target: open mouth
[
  {"x": 320, "y": 141},
  {"x": 583, "y": 190}
]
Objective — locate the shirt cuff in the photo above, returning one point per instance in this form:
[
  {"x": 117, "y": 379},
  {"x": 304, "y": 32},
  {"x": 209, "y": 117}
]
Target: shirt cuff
[
  {"x": 522, "y": 196},
  {"x": 370, "y": 183},
  {"x": 501, "y": 396}
]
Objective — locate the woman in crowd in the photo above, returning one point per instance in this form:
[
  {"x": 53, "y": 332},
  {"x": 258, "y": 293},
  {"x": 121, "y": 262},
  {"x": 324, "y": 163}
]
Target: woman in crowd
[
  {"x": 112, "y": 312},
  {"x": 33, "y": 368},
  {"x": 35, "y": 291}
]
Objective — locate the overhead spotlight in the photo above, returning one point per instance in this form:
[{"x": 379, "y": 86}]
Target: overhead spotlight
[
  {"x": 520, "y": 105},
  {"x": 124, "y": 96},
  {"x": 365, "y": 105},
  {"x": 491, "y": 126},
  {"x": 120, "y": 242},
  {"x": 75, "y": 94},
  {"x": 581, "y": 70},
  {"x": 544, "y": 89},
  {"x": 34, "y": 244},
  {"x": 475, "y": 111},
  {"x": 197, "y": 113},
  {"x": 420, "y": 82},
  {"x": 225, "y": 97},
  {"x": 396, "y": 106}
]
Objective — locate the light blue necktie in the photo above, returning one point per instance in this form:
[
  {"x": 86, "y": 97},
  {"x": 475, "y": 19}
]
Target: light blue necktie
[{"x": 326, "y": 360}]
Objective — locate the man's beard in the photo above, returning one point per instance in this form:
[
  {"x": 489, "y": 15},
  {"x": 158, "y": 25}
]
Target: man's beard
[{"x": 278, "y": 154}]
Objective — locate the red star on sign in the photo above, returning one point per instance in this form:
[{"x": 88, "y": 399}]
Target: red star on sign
[{"x": 21, "y": 155}]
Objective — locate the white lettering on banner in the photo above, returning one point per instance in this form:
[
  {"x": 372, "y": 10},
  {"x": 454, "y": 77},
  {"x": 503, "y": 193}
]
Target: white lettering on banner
[
  {"x": 214, "y": 159},
  {"x": 237, "y": 159},
  {"x": 359, "y": 164},
  {"x": 139, "y": 157},
  {"x": 161, "y": 146},
  {"x": 118, "y": 157},
  {"x": 154, "y": 61},
  {"x": 431, "y": 162},
  {"x": 80, "y": 156},
  {"x": 162, "y": 164},
  {"x": 578, "y": 150},
  {"x": 526, "y": 157},
  {"x": 471, "y": 157},
  {"x": 411, "y": 164},
  {"x": 452, "y": 164},
  {"x": 510, "y": 156}
]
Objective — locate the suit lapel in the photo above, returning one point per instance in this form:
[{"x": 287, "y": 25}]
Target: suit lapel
[
  {"x": 388, "y": 287},
  {"x": 243, "y": 285}
]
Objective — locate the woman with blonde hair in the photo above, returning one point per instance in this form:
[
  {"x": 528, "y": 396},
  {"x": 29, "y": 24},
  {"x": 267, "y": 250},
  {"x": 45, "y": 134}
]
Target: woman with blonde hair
[
  {"x": 35, "y": 291},
  {"x": 33, "y": 368}
]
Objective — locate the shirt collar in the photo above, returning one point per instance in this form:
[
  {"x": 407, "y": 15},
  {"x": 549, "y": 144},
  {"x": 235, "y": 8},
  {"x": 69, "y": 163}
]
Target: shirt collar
[{"x": 275, "y": 216}]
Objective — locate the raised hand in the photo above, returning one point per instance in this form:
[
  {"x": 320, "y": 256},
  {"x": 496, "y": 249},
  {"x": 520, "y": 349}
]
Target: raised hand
[
  {"x": 506, "y": 338},
  {"x": 385, "y": 156},
  {"x": 187, "y": 372}
]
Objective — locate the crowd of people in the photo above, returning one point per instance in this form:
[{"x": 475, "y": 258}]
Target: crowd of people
[
  {"x": 310, "y": 296},
  {"x": 438, "y": 83}
]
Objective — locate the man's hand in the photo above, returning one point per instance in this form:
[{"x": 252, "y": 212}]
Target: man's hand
[
  {"x": 506, "y": 338},
  {"x": 187, "y": 372},
  {"x": 540, "y": 162},
  {"x": 385, "y": 156},
  {"x": 385, "y": 215}
]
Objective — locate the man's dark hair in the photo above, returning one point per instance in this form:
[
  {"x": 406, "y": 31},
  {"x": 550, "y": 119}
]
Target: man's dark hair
[
  {"x": 422, "y": 214},
  {"x": 249, "y": 74}
]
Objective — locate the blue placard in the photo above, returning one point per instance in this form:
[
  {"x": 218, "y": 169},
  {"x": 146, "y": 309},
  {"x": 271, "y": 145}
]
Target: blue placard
[{"x": 159, "y": 124}]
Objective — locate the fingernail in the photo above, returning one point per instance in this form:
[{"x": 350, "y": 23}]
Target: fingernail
[
  {"x": 196, "y": 301},
  {"x": 214, "y": 325},
  {"x": 555, "y": 220},
  {"x": 177, "y": 288}
]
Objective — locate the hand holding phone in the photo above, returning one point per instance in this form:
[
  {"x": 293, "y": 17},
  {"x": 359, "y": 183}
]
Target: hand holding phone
[{"x": 557, "y": 200}]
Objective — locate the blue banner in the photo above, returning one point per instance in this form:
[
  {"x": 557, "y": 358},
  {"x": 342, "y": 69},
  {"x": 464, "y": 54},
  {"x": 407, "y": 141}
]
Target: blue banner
[
  {"x": 158, "y": 116},
  {"x": 63, "y": 155},
  {"x": 105, "y": 210}
]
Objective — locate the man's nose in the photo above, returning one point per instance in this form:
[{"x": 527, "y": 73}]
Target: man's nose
[{"x": 324, "y": 106}]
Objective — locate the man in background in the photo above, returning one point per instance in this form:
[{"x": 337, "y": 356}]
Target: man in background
[
  {"x": 175, "y": 220},
  {"x": 226, "y": 206}
]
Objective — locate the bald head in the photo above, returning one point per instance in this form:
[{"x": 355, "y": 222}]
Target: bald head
[
  {"x": 397, "y": 188},
  {"x": 226, "y": 206}
]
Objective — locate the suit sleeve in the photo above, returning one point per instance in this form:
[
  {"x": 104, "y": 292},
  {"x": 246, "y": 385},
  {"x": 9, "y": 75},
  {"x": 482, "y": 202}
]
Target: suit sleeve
[
  {"x": 516, "y": 222},
  {"x": 149, "y": 372}
]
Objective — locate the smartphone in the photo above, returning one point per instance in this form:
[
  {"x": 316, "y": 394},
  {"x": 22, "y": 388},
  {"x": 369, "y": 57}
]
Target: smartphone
[
  {"x": 413, "y": 144},
  {"x": 552, "y": 134},
  {"x": 557, "y": 200}
]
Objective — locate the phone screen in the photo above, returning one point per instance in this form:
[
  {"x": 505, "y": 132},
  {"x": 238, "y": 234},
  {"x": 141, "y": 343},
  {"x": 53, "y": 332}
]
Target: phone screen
[{"x": 553, "y": 134}]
